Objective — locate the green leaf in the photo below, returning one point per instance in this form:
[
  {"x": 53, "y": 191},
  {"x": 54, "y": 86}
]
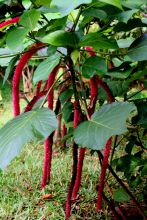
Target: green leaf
[
  {"x": 123, "y": 43},
  {"x": 133, "y": 4},
  {"x": 138, "y": 49},
  {"x": 9, "y": 69},
  {"x": 43, "y": 2},
  {"x": 29, "y": 19},
  {"x": 116, "y": 3},
  {"x": 64, "y": 96},
  {"x": 121, "y": 196},
  {"x": 109, "y": 120},
  {"x": 126, "y": 15},
  {"x": 94, "y": 12},
  {"x": 118, "y": 88},
  {"x": 19, "y": 131},
  {"x": 131, "y": 24},
  {"x": 45, "y": 68},
  {"x": 62, "y": 38},
  {"x": 63, "y": 8},
  {"x": 94, "y": 65},
  {"x": 15, "y": 37},
  {"x": 98, "y": 41},
  {"x": 67, "y": 111}
]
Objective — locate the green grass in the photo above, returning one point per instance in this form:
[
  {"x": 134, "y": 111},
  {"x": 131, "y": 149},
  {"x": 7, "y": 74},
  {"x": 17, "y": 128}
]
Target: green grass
[
  {"x": 21, "y": 197},
  {"x": 20, "y": 193}
]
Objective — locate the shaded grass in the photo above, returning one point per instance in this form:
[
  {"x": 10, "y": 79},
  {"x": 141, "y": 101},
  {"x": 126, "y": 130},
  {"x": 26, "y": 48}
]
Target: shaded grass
[{"x": 21, "y": 196}]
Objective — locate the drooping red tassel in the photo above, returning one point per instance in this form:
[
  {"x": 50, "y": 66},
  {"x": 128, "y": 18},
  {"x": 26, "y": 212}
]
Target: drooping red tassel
[
  {"x": 103, "y": 173},
  {"x": 106, "y": 89},
  {"x": 64, "y": 132},
  {"x": 38, "y": 87},
  {"x": 106, "y": 150},
  {"x": 93, "y": 100},
  {"x": 77, "y": 118},
  {"x": 17, "y": 76},
  {"x": 79, "y": 173},
  {"x": 34, "y": 100},
  {"x": 49, "y": 141},
  {"x": 10, "y": 21}
]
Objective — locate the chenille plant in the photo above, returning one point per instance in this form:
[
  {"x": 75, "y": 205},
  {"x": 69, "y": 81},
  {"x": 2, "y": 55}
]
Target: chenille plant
[{"x": 90, "y": 70}]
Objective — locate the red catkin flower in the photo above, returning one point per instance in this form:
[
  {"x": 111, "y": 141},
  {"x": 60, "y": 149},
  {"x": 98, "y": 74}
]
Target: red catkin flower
[
  {"x": 38, "y": 87},
  {"x": 103, "y": 173},
  {"x": 93, "y": 99},
  {"x": 64, "y": 132},
  {"x": 77, "y": 118},
  {"x": 33, "y": 101},
  {"x": 49, "y": 141},
  {"x": 106, "y": 89},
  {"x": 10, "y": 21},
  {"x": 111, "y": 65},
  {"x": 90, "y": 50},
  {"x": 17, "y": 76}
]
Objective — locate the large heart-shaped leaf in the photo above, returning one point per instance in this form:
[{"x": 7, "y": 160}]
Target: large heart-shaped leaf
[
  {"x": 138, "y": 49},
  {"x": 94, "y": 65},
  {"x": 29, "y": 19},
  {"x": 22, "y": 129},
  {"x": 45, "y": 68},
  {"x": 62, "y": 38},
  {"x": 109, "y": 120},
  {"x": 15, "y": 37},
  {"x": 98, "y": 41}
]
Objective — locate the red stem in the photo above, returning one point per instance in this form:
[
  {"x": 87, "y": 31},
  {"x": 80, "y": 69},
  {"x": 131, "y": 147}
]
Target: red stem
[
  {"x": 49, "y": 141},
  {"x": 17, "y": 76},
  {"x": 10, "y": 21}
]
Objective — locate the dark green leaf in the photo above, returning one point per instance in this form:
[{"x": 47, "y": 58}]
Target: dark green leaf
[
  {"x": 29, "y": 19},
  {"x": 51, "y": 50},
  {"x": 96, "y": 13},
  {"x": 121, "y": 196},
  {"x": 131, "y": 24},
  {"x": 45, "y": 68},
  {"x": 15, "y": 37},
  {"x": 126, "y": 15},
  {"x": 118, "y": 88},
  {"x": 9, "y": 69},
  {"x": 19, "y": 131},
  {"x": 109, "y": 120},
  {"x": 64, "y": 96},
  {"x": 94, "y": 65},
  {"x": 67, "y": 111},
  {"x": 98, "y": 41},
  {"x": 133, "y": 4},
  {"x": 62, "y": 38},
  {"x": 138, "y": 49},
  {"x": 116, "y": 3}
]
